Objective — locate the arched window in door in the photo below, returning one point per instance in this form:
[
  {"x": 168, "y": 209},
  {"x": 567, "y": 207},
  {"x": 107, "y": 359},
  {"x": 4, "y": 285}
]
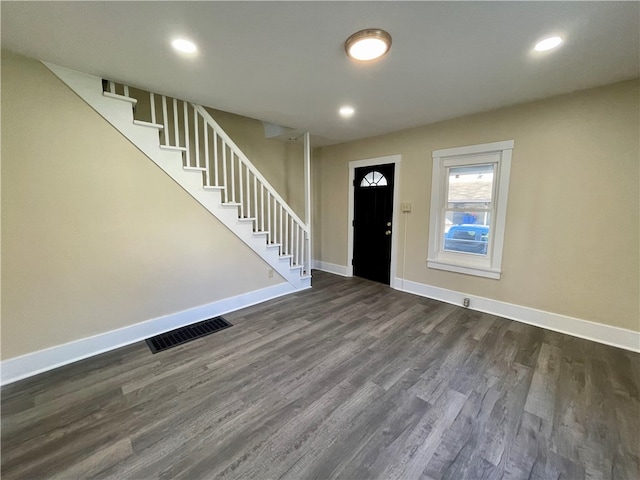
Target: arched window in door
[{"x": 373, "y": 179}]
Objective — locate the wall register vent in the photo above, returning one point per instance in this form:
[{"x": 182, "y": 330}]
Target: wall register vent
[{"x": 186, "y": 334}]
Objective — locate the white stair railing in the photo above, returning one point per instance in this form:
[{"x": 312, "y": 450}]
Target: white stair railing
[{"x": 206, "y": 147}]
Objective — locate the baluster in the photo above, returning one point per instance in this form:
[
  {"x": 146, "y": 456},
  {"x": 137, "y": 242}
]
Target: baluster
[
  {"x": 241, "y": 187},
  {"x": 206, "y": 153},
  {"x": 186, "y": 132},
  {"x": 233, "y": 177},
  {"x": 197, "y": 135},
  {"x": 255, "y": 199},
  {"x": 294, "y": 242},
  {"x": 215, "y": 157},
  {"x": 176, "y": 140},
  {"x": 303, "y": 253},
  {"x": 248, "y": 194},
  {"x": 302, "y": 249},
  {"x": 297, "y": 244},
  {"x": 152, "y": 102},
  {"x": 112, "y": 87},
  {"x": 269, "y": 226},
  {"x": 261, "y": 207},
  {"x": 126, "y": 90},
  {"x": 281, "y": 238},
  {"x": 286, "y": 235},
  {"x": 165, "y": 121},
  {"x": 224, "y": 170}
]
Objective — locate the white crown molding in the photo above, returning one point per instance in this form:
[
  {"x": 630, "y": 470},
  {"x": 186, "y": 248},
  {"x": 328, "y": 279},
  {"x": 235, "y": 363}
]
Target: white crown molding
[{"x": 24, "y": 366}]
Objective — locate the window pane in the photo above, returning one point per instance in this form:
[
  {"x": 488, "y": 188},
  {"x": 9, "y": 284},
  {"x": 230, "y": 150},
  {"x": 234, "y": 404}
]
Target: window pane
[
  {"x": 470, "y": 186},
  {"x": 467, "y": 232},
  {"x": 373, "y": 179}
]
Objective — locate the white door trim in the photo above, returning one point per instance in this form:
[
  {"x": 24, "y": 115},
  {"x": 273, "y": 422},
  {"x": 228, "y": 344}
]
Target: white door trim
[{"x": 368, "y": 162}]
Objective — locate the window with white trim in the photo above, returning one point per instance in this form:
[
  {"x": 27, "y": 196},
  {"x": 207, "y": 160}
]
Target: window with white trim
[{"x": 469, "y": 192}]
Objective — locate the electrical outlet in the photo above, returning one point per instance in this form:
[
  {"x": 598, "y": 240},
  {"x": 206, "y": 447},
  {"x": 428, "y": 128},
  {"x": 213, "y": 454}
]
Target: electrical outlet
[
  {"x": 405, "y": 207},
  {"x": 270, "y": 273}
]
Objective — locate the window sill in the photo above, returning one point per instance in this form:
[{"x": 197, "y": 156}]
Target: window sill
[{"x": 478, "y": 272}]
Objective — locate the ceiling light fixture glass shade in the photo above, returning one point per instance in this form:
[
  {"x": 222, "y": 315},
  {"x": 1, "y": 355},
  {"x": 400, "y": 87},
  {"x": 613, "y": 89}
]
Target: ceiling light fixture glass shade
[
  {"x": 184, "y": 46},
  {"x": 368, "y": 44},
  {"x": 548, "y": 44},
  {"x": 346, "y": 111}
]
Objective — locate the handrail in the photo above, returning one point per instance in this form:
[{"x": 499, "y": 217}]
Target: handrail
[{"x": 223, "y": 135}]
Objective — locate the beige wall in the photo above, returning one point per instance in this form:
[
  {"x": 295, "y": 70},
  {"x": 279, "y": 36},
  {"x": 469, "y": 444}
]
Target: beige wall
[
  {"x": 571, "y": 241},
  {"x": 95, "y": 236}
]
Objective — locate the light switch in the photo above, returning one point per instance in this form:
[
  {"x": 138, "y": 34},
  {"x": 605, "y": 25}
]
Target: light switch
[{"x": 405, "y": 207}]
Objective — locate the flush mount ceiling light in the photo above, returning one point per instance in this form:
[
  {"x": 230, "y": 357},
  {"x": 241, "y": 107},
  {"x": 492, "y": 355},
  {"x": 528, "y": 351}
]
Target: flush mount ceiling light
[
  {"x": 368, "y": 44},
  {"x": 346, "y": 111},
  {"x": 184, "y": 46},
  {"x": 548, "y": 44}
]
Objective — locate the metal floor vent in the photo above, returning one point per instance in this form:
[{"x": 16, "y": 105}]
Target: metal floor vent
[{"x": 182, "y": 335}]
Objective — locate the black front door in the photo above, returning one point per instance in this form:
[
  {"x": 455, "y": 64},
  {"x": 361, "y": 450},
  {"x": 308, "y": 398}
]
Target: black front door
[{"x": 372, "y": 224}]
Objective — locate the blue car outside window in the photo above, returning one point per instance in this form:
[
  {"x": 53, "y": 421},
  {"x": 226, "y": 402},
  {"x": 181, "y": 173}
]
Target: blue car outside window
[{"x": 467, "y": 239}]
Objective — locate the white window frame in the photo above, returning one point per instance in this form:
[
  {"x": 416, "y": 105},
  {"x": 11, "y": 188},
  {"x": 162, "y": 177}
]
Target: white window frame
[{"x": 490, "y": 265}]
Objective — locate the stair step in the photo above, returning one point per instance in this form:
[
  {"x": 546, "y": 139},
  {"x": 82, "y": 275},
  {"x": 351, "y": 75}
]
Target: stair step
[
  {"x": 148, "y": 124},
  {"x": 214, "y": 187},
  {"x": 230, "y": 204},
  {"x": 273, "y": 245},
  {"x": 294, "y": 267},
  {"x": 246, "y": 219},
  {"x": 261, "y": 232},
  {"x": 196, "y": 169},
  {"x": 173, "y": 148},
  {"x": 285, "y": 257},
  {"x": 133, "y": 101}
]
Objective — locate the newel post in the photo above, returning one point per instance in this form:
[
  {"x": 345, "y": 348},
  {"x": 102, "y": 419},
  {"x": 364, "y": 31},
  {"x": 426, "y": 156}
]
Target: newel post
[{"x": 307, "y": 197}]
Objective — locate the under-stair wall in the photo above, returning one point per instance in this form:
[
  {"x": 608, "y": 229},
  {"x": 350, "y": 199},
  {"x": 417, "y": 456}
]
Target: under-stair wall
[{"x": 100, "y": 247}]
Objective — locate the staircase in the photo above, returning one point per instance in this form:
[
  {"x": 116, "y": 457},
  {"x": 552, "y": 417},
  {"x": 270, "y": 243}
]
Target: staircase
[{"x": 187, "y": 143}]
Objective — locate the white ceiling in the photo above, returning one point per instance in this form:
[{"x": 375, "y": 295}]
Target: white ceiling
[{"x": 284, "y": 62}]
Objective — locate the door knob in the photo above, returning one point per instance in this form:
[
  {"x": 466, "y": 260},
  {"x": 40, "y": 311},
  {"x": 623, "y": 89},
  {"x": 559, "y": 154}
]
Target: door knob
[{"x": 388, "y": 232}]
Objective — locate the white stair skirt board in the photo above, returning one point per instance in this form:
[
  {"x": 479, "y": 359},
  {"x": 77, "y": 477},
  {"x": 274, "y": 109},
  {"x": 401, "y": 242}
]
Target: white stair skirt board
[
  {"x": 17, "y": 368},
  {"x": 119, "y": 113},
  {"x": 331, "y": 268},
  {"x": 597, "y": 332}
]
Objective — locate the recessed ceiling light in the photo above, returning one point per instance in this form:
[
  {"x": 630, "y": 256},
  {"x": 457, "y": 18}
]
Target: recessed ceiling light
[
  {"x": 548, "y": 44},
  {"x": 368, "y": 44},
  {"x": 184, "y": 46},
  {"x": 346, "y": 111}
]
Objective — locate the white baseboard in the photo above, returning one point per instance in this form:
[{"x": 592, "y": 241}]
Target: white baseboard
[
  {"x": 597, "y": 332},
  {"x": 331, "y": 268},
  {"x": 24, "y": 366}
]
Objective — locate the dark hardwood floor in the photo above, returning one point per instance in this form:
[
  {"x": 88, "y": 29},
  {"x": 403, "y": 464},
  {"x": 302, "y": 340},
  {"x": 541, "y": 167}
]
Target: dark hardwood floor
[{"x": 348, "y": 380}]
